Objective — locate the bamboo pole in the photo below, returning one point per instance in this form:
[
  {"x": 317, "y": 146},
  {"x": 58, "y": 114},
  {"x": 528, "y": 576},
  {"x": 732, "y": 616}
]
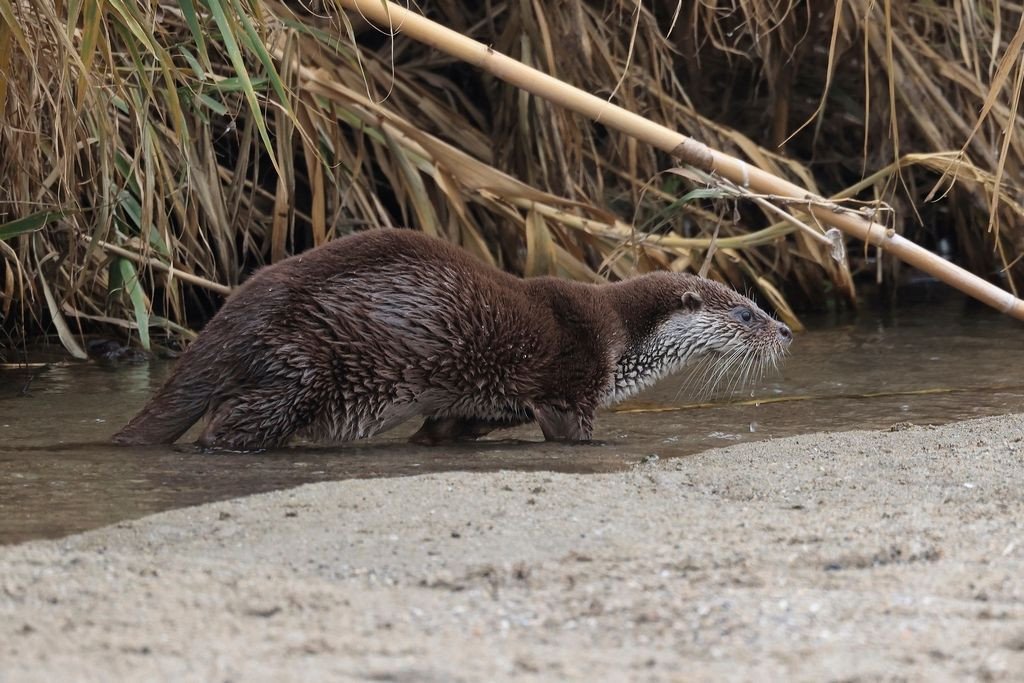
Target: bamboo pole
[{"x": 418, "y": 27}]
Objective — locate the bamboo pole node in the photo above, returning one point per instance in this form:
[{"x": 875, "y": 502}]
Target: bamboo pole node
[{"x": 694, "y": 153}]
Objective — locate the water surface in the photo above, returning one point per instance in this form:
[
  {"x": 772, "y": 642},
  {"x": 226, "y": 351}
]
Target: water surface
[{"x": 58, "y": 474}]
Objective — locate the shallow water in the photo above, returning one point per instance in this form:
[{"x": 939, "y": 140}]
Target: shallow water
[{"x": 58, "y": 474}]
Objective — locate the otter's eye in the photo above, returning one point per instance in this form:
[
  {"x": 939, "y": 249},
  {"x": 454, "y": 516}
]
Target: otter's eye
[{"x": 744, "y": 314}]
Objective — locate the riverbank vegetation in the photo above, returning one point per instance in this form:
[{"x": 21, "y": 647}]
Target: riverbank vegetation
[{"x": 153, "y": 154}]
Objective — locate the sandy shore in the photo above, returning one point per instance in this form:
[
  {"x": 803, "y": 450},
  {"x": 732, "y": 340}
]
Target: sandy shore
[{"x": 853, "y": 556}]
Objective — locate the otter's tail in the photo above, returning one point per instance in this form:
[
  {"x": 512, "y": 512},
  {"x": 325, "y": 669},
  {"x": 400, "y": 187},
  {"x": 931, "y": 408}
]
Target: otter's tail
[{"x": 180, "y": 402}]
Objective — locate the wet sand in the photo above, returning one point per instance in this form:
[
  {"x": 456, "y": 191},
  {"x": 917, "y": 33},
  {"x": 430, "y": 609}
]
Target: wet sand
[{"x": 895, "y": 554}]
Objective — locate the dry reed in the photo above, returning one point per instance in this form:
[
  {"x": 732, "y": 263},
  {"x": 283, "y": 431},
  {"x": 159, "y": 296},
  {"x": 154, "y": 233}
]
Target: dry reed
[{"x": 152, "y": 154}]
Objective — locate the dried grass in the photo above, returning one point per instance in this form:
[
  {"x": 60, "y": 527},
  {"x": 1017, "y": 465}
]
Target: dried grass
[{"x": 154, "y": 153}]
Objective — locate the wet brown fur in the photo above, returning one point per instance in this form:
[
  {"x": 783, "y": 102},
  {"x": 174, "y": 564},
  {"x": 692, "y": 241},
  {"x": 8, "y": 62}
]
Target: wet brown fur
[{"x": 365, "y": 332}]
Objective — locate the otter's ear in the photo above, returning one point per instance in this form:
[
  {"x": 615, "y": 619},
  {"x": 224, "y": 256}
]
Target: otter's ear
[{"x": 692, "y": 302}]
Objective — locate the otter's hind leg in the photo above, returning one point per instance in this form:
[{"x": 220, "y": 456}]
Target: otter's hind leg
[
  {"x": 256, "y": 420},
  {"x": 437, "y": 430},
  {"x": 565, "y": 424}
]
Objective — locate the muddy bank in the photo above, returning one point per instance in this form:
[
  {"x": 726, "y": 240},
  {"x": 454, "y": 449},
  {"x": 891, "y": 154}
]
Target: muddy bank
[{"x": 873, "y": 555}]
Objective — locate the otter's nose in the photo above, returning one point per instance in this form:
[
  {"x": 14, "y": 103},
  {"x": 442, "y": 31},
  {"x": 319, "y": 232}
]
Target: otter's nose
[{"x": 785, "y": 334}]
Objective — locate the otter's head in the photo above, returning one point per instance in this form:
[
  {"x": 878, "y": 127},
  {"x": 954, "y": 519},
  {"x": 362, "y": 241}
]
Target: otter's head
[{"x": 680, "y": 320}]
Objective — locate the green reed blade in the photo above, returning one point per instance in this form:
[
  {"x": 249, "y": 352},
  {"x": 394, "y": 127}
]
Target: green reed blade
[
  {"x": 29, "y": 223},
  {"x": 131, "y": 286}
]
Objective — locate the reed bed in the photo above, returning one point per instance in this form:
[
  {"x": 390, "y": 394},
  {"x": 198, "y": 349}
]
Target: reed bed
[{"x": 154, "y": 153}]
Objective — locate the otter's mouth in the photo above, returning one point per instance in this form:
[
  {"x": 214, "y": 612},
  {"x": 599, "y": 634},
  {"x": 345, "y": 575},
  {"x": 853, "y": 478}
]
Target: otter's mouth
[{"x": 725, "y": 371}]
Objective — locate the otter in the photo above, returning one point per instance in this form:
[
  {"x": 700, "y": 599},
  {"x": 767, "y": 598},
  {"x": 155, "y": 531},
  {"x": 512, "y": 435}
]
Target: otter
[{"x": 365, "y": 332}]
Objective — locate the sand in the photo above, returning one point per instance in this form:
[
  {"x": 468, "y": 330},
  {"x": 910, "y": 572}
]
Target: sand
[{"x": 850, "y": 556}]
